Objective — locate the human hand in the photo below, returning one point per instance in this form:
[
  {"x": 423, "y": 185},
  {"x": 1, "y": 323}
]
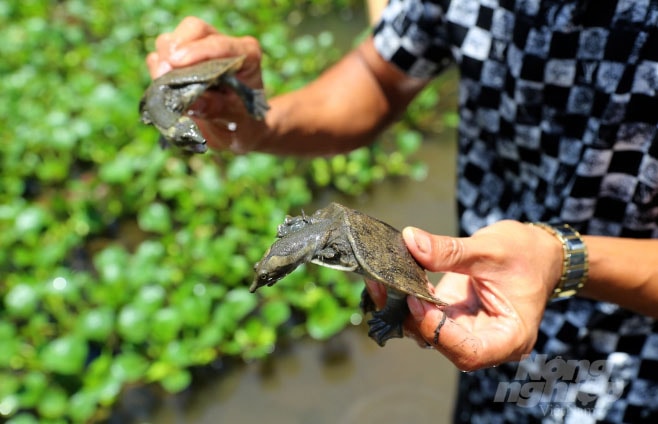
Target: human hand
[
  {"x": 219, "y": 114},
  {"x": 496, "y": 282}
]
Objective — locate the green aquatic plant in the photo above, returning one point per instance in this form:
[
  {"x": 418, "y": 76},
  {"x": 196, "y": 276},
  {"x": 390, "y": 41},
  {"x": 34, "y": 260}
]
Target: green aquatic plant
[{"x": 124, "y": 264}]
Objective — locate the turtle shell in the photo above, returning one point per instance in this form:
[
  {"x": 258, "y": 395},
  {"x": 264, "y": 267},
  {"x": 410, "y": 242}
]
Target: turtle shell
[
  {"x": 383, "y": 256},
  {"x": 202, "y": 73}
]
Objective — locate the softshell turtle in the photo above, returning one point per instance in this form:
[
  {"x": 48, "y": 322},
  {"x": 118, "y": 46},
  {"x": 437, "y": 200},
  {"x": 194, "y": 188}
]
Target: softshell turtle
[
  {"x": 169, "y": 96},
  {"x": 345, "y": 239}
]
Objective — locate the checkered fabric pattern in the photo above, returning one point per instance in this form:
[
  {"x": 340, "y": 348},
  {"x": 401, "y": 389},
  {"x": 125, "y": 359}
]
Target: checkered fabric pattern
[{"x": 558, "y": 122}]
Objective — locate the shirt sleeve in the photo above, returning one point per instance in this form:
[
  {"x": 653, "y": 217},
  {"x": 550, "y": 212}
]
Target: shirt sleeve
[{"x": 411, "y": 34}]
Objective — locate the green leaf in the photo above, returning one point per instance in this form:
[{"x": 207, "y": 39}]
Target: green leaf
[
  {"x": 155, "y": 218},
  {"x": 22, "y": 300},
  {"x": 419, "y": 171},
  {"x": 255, "y": 338},
  {"x": 211, "y": 336},
  {"x": 149, "y": 252},
  {"x": 9, "y": 405},
  {"x": 97, "y": 324},
  {"x": 34, "y": 385},
  {"x": 166, "y": 324},
  {"x": 210, "y": 182},
  {"x": 31, "y": 219},
  {"x": 54, "y": 403},
  {"x": 111, "y": 263},
  {"x": 177, "y": 381},
  {"x": 83, "y": 405},
  {"x": 238, "y": 303},
  {"x": 65, "y": 355},
  {"x": 120, "y": 170},
  {"x": 408, "y": 142},
  {"x": 321, "y": 172},
  {"x": 129, "y": 367},
  {"x": 195, "y": 311},
  {"x": 9, "y": 385},
  {"x": 11, "y": 348},
  {"x": 133, "y": 324},
  {"x": 150, "y": 298},
  {"x": 108, "y": 391},
  {"x": 276, "y": 312},
  {"x": 23, "y": 418},
  {"x": 326, "y": 318}
]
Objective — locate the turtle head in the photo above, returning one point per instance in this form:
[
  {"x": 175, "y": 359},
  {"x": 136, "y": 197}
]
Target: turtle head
[
  {"x": 186, "y": 135},
  {"x": 271, "y": 269},
  {"x": 284, "y": 256}
]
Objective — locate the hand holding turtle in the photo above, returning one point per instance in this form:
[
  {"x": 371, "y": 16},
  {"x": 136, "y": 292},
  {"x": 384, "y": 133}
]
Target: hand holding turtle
[
  {"x": 220, "y": 115},
  {"x": 496, "y": 283}
]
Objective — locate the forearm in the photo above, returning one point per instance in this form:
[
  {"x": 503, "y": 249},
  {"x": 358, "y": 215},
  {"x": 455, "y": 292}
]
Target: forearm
[
  {"x": 345, "y": 108},
  {"x": 623, "y": 271}
]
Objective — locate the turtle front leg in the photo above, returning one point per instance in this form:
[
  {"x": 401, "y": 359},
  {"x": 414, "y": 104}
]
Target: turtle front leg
[{"x": 387, "y": 322}]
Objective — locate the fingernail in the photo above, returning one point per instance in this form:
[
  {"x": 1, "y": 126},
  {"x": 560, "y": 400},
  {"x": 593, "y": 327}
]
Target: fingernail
[
  {"x": 163, "y": 68},
  {"x": 418, "y": 237},
  {"x": 177, "y": 54}
]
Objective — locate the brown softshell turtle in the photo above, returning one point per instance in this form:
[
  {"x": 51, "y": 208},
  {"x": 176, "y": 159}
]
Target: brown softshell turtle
[
  {"x": 169, "y": 96},
  {"x": 345, "y": 239}
]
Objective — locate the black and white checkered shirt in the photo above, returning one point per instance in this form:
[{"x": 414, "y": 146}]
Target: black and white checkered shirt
[{"x": 558, "y": 122}]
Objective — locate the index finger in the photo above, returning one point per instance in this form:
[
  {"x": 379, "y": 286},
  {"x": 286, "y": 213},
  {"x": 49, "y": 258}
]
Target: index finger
[
  {"x": 173, "y": 46},
  {"x": 190, "y": 29}
]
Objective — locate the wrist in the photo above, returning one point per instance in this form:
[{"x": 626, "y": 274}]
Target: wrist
[{"x": 575, "y": 265}]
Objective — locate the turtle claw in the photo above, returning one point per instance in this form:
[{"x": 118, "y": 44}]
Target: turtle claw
[
  {"x": 384, "y": 324},
  {"x": 387, "y": 323},
  {"x": 381, "y": 329}
]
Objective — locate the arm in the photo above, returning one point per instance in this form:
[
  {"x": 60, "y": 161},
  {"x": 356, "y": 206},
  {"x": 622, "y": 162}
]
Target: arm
[
  {"x": 375, "y": 8},
  {"x": 498, "y": 281},
  {"x": 623, "y": 271},
  {"x": 345, "y": 108}
]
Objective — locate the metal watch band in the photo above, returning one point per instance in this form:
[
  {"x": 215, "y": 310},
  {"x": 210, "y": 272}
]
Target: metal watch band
[{"x": 574, "y": 265}]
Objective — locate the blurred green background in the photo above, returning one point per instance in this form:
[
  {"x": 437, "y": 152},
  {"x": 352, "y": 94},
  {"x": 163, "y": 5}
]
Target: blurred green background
[{"x": 122, "y": 264}]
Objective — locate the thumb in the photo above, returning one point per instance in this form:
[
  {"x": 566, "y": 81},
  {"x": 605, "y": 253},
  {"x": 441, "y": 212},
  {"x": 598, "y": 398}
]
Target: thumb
[{"x": 434, "y": 252}]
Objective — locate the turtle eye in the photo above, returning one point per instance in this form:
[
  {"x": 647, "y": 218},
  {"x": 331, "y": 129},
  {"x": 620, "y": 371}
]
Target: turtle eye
[{"x": 274, "y": 273}]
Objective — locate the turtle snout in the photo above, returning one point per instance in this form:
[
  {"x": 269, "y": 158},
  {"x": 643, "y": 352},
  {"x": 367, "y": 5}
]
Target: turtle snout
[
  {"x": 270, "y": 270},
  {"x": 186, "y": 135},
  {"x": 262, "y": 278},
  {"x": 256, "y": 284}
]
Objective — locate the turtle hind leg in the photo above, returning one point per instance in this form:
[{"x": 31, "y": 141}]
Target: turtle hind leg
[
  {"x": 253, "y": 99},
  {"x": 387, "y": 322},
  {"x": 366, "y": 304},
  {"x": 258, "y": 106}
]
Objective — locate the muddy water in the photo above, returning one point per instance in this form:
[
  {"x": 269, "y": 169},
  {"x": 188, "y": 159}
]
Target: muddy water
[{"x": 348, "y": 379}]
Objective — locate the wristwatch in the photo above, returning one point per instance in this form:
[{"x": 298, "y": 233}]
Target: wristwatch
[{"x": 575, "y": 265}]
